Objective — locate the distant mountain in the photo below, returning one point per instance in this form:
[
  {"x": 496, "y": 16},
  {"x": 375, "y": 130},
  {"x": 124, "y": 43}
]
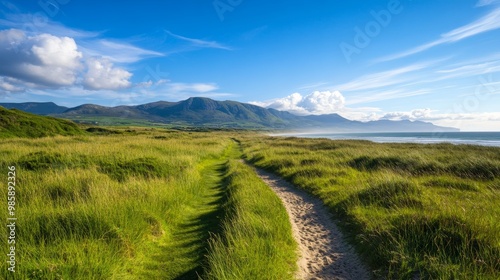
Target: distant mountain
[
  {"x": 205, "y": 112},
  {"x": 15, "y": 123},
  {"x": 103, "y": 111},
  {"x": 43, "y": 108}
]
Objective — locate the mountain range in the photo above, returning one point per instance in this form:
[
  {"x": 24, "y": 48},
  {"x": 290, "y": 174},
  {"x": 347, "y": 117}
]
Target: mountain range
[{"x": 205, "y": 112}]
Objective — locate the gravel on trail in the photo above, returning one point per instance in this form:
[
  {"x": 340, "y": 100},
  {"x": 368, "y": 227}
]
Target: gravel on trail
[{"x": 324, "y": 254}]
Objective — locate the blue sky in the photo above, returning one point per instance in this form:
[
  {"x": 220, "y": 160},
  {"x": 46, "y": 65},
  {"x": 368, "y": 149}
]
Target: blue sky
[{"x": 435, "y": 61}]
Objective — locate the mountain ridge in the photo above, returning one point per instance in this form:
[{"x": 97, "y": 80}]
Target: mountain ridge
[{"x": 206, "y": 112}]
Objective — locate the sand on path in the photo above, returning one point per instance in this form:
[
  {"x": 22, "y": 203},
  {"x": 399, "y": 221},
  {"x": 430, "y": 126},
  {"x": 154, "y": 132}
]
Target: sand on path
[{"x": 324, "y": 254}]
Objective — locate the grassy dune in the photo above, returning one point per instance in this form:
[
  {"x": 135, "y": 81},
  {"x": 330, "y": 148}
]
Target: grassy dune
[
  {"x": 431, "y": 211},
  {"x": 140, "y": 204}
]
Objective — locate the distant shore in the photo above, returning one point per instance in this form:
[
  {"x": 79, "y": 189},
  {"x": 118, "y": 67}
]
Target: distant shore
[{"x": 468, "y": 138}]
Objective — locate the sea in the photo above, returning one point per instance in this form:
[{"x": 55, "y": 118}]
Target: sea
[{"x": 470, "y": 138}]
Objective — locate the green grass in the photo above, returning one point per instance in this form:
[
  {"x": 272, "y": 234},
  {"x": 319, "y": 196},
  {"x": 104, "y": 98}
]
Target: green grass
[
  {"x": 99, "y": 207},
  {"x": 255, "y": 242},
  {"x": 16, "y": 123},
  {"x": 431, "y": 211},
  {"x": 149, "y": 203},
  {"x": 142, "y": 203}
]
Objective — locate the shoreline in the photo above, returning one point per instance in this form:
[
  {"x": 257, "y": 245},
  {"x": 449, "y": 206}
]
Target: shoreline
[{"x": 488, "y": 139}]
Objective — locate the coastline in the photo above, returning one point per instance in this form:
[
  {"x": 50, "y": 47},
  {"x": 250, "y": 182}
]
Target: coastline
[{"x": 491, "y": 139}]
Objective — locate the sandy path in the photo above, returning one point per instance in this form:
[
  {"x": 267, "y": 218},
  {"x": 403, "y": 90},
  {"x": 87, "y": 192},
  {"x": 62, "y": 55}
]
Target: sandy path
[{"x": 324, "y": 253}]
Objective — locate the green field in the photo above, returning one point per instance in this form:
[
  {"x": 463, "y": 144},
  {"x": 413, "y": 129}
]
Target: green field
[
  {"x": 412, "y": 210},
  {"x": 149, "y": 203},
  {"x": 145, "y": 205}
]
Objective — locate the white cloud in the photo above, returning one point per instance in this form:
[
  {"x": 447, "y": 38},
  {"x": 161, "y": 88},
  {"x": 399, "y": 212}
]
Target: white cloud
[
  {"x": 194, "y": 87},
  {"x": 9, "y": 86},
  {"x": 316, "y": 103},
  {"x": 43, "y": 59},
  {"x": 417, "y": 114},
  {"x": 380, "y": 95},
  {"x": 490, "y": 21},
  {"x": 56, "y": 51},
  {"x": 480, "y": 121},
  {"x": 102, "y": 75},
  {"x": 486, "y": 2},
  {"x": 382, "y": 79},
  {"x": 328, "y": 102},
  {"x": 471, "y": 70},
  {"x": 34, "y": 24},
  {"x": 88, "y": 42},
  {"x": 199, "y": 43},
  {"x": 115, "y": 51}
]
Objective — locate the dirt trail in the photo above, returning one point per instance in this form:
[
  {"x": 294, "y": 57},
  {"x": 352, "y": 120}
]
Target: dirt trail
[{"x": 324, "y": 253}]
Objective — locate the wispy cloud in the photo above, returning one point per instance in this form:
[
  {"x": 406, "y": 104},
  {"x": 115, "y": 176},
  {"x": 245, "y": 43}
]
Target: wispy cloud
[
  {"x": 490, "y": 21},
  {"x": 374, "y": 96},
  {"x": 312, "y": 86},
  {"x": 487, "y": 2},
  {"x": 30, "y": 24},
  {"x": 252, "y": 34},
  {"x": 471, "y": 70},
  {"x": 116, "y": 51},
  {"x": 199, "y": 43},
  {"x": 194, "y": 87},
  {"x": 382, "y": 79}
]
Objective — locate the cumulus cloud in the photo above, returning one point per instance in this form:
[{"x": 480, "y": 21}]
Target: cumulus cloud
[
  {"x": 417, "y": 114},
  {"x": 48, "y": 61},
  {"x": 102, "y": 75},
  {"x": 316, "y": 103},
  {"x": 42, "y": 59}
]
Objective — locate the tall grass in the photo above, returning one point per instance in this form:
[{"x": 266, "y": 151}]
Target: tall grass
[
  {"x": 256, "y": 241},
  {"x": 106, "y": 207},
  {"x": 428, "y": 211},
  {"x": 142, "y": 204}
]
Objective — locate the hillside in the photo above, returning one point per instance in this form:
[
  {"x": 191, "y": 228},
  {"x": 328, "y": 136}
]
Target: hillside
[
  {"x": 205, "y": 112},
  {"x": 39, "y": 108},
  {"x": 16, "y": 123}
]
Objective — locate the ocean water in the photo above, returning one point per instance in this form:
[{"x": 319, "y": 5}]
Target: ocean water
[{"x": 471, "y": 138}]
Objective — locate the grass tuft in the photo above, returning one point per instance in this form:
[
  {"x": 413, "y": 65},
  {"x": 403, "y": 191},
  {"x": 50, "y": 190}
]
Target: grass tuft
[
  {"x": 146, "y": 168},
  {"x": 391, "y": 194}
]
